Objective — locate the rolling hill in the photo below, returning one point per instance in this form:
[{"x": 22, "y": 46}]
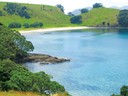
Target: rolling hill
[
  {"x": 97, "y": 16},
  {"x": 52, "y": 16}
]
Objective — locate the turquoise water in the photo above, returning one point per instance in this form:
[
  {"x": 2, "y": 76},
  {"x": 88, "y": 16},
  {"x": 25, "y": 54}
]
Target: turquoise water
[{"x": 99, "y": 59}]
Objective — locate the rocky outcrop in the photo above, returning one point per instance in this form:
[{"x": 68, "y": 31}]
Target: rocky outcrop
[{"x": 44, "y": 59}]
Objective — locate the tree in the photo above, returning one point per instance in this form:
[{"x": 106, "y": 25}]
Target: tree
[
  {"x": 40, "y": 24},
  {"x": 13, "y": 45},
  {"x": 61, "y": 7},
  {"x": 97, "y": 5},
  {"x": 124, "y": 91},
  {"x": 70, "y": 14},
  {"x": 84, "y": 10},
  {"x": 13, "y": 8},
  {"x": 26, "y": 25},
  {"x": 76, "y": 20},
  {"x": 108, "y": 24},
  {"x": 122, "y": 18},
  {"x": 15, "y": 25},
  {"x": 103, "y": 23}
]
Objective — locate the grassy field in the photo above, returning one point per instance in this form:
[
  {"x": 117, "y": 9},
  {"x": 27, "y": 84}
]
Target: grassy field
[
  {"x": 97, "y": 16},
  {"x": 49, "y": 15},
  {"x": 17, "y": 93}
]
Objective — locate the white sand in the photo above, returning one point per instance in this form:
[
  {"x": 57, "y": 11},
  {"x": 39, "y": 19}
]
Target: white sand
[{"x": 52, "y": 29}]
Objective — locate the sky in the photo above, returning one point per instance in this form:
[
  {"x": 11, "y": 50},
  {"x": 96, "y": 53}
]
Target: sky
[{"x": 70, "y": 5}]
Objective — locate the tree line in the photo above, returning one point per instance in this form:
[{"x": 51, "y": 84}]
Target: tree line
[{"x": 26, "y": 25}]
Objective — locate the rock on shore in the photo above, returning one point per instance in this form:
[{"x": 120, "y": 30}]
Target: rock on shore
[{"x": 44, "y": 59}]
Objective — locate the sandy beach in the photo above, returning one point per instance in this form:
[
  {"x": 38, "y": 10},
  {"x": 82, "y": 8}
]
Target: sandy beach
[{"x": 52, "y": 29}]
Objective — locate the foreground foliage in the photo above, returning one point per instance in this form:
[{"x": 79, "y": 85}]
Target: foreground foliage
[
  {"x": 14, "y": 46},
  {"x": 16, "y": 77}
]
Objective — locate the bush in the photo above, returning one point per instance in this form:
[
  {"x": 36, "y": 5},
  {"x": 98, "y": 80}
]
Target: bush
[
  {"x": 15, "y": 25},
  {"x": 76, "y": 19},
  {"x": 36, "y": 24},
  {"x": 40, "y": 24},
  {"x": 123, "y": 18},
  {"x": 26, "y": 25}
]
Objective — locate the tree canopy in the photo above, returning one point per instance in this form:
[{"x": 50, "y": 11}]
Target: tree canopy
[
  {"x": 70, "y": 14},
  {"x": 12, "y": 8},
  {"x": 122, "y": 18},
  {"x": 84, "y": 10},
  {"x": 61, "y": 7},
  {"x": 16, "y": 77},
  {"x": 76, "y": 20},
  {"x": 13, "y": 45},
  {"x": 97, "y": 5}
]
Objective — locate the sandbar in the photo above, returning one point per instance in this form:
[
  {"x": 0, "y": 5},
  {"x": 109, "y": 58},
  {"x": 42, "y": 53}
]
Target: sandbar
[{"x": 53, "y": 29}]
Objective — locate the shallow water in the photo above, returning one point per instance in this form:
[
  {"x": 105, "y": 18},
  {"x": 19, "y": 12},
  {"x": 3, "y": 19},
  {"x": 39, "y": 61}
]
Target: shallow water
[{"x": 99, "y": 59}]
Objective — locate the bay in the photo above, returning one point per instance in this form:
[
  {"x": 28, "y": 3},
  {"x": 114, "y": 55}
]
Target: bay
[{"x": 99, "y": 59}]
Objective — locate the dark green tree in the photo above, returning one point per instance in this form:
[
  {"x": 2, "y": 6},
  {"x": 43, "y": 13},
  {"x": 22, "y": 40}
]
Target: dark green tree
[
  {"x": 76, "y": 20},
  {"x": 124, "y": 91},
  {"x": 61, "y": 7},
  {"x": 14, "y": 8},
  {"x": 12, "y": 44},
  {"x": 26, "y": 25},
  {"x": 122, "y": 18},
  {"x": 97, "y": 5},
  {"x": 103, "y": 23},
  {"x": 15, "y": 25},
  {"x": 70, "y": 14},
  {"x": 108, "y": 24},
  {"x": 84, "y": 10},
  {"x": 40, "y": 24}
]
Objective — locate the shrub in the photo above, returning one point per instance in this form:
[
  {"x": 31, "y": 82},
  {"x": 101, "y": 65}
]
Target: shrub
[
  {"x": 76, "y": 19},
  {"x": 26, "y": 25},
  {"x": 15, "y": 25}
]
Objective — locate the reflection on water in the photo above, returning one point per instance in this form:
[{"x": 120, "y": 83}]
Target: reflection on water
[{"x": 99, "y": 59}]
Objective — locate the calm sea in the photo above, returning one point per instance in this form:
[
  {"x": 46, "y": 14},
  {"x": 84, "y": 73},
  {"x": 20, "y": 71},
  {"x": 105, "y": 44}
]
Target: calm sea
[{"x": 99, "y": 59}]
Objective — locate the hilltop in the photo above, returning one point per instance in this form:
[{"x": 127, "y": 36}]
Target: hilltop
[
  {"x": 48, "y": 15},
  {"x": 97, "y": 16}
]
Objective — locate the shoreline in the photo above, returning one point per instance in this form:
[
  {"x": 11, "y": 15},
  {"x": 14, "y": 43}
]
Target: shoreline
[
  {"x": 59, "y": 29},
  {"x": 42, "y": 59},
  {"x": 53, "y": 29}
]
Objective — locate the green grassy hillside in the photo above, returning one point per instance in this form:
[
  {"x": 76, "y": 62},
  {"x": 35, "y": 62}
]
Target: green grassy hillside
[
  {"x": 50, "y": 16},
  {"x": 97, "y": 16}
]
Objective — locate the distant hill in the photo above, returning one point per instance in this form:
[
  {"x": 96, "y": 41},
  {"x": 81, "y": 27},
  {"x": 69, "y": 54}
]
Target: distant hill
[
  {"x": 50, "y": 16},
  {"x": 97, "y": 16},
  {"x": 77, "y": 11},
  {"x": 121, "y": 8}
]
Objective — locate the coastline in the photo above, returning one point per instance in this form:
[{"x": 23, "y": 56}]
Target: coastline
[
  {"x": 59, "y": 29},
  {"x": 53, "y": 29}
]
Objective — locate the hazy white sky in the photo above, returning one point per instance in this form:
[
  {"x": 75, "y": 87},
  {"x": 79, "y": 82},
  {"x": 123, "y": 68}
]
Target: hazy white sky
[{"x": 70, "y": 5}]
